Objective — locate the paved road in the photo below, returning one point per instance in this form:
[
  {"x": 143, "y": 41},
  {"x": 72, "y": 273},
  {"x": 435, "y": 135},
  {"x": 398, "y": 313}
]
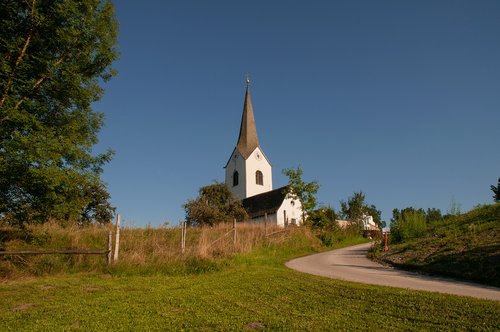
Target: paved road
[{"x": 351, "y": 264}]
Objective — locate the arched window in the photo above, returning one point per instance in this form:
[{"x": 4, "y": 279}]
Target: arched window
[
  {"x": 235, "y": 178},
  {"x": 259, "y": 178}
]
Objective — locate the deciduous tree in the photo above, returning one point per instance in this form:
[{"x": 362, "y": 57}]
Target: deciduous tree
[
  {"x": 303, "y": 191},
  {"x": 215, "y": 204},
  {"x": 356, "y": 209},
  {"x": 324, "y": 218},
  {"x": 54, "y": 54}
]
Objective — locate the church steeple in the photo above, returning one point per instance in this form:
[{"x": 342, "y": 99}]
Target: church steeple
[
  {"x": 247, "y": 140},
  {"x": 248, "y": 171}
]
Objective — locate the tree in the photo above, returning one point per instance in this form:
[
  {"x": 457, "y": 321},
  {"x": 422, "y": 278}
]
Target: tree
[
  {"x": 496, "y": 192},
  {"x": 356, "y": 209},
  {"x": 215, "y": 204},
  {"x": 324, "y": 218},
  {"x": 407, "y": 224},
  {"x": 303, "y": 191},
  {"x": 432, "y": 215},
  {"x": 54, "y": 55}
]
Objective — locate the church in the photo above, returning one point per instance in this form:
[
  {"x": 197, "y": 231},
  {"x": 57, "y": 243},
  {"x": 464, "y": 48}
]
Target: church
[{"x": 249, "y": 177}]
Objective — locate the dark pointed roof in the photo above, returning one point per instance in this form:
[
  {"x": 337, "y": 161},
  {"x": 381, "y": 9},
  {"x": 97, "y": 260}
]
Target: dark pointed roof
[
  {"x": 247, "y": 140},
  {"x": 268, "y": 202}
]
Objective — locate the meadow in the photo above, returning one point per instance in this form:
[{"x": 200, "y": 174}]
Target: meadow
[{"x": 216, "y": 289}]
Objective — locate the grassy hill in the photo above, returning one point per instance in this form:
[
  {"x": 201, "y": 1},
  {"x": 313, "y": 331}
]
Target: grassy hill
[
  {"x": 466, "y": 246},
  {"x": 249, "y": 291}
]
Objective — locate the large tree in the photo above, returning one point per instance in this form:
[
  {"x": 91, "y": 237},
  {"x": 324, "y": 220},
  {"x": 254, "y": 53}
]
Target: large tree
[
  {"x": 215, "y": 204},
  {"x": 303, "y": 191},
  {"x": 54, "y": 54}
]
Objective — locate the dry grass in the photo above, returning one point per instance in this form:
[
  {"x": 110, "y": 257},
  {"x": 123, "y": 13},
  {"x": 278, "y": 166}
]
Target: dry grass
[{"x": 141, "y": 249}]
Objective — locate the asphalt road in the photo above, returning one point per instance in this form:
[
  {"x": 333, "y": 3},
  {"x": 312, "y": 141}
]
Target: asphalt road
[{"x": 351, "y": 264}]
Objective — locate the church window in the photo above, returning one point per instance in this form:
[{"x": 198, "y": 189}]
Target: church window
[
  {"x": 235, "y": 178},
  {"x": 259, "y": 178}
]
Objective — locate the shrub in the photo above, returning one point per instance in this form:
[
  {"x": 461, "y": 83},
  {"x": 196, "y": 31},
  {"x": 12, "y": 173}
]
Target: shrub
[{"x": 409, "y": 225}]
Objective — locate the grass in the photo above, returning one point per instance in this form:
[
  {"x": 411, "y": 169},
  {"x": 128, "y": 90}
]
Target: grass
[
  {"x": 256, "y": 292},
  {"x": 232, "y": 290},
  {"x": 466, "y": 246},
  {"x": 142, "y": 251}
]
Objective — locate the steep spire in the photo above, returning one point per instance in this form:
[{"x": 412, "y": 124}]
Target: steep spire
[{"x": 248, "y": 140}]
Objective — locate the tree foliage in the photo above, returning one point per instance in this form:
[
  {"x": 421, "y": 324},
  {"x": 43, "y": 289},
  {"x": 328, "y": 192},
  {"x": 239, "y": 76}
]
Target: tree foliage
[
  {"x": 54, "y": 55},
  {"x": 356, "y": 209},
  {"x": 324, "y": 218},
  {"x": 496, "y": 192},
  {"x": 303, "y": 191},
  {"x": 215, "y": 204},
  {"x": 408, "y": 224}
]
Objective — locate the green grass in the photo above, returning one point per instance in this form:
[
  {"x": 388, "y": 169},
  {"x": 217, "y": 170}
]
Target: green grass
[
  {"x": 253, "y": 290},
  {"x": 466, "y": 247}
]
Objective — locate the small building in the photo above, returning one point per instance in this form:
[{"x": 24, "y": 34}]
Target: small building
[
  {"x": 274, "y": 208},
  {"x": 249, "y": 176},
  {"x": 368, "y": 223}
]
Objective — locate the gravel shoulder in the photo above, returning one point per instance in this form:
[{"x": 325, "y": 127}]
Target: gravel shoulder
[{"x": 351, "y": 264}]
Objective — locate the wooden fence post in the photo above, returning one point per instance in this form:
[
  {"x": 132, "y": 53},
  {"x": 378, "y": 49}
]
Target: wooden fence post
[
  {"x": 110, "y": 240},
  {"x": 117, "y": 238},
  {"x": 234, "y": 231},
  {"x": 265, "y": 224},
  {"x": 183, "y": 236}
]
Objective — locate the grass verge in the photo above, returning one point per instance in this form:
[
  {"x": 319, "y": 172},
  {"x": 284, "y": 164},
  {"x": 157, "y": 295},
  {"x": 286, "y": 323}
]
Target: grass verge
[
  {"x": 254, "y": 291},
  {"x": 465, "y": 247}
]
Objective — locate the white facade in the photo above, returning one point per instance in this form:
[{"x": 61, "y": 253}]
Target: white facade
[
  {"x": 289, "y": 213},
  {"x": 247, "y": 183},
  {"x": 249, "y": 177}
]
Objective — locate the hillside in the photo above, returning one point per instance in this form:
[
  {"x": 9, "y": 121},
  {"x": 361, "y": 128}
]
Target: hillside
[{"x": 466, "y": 247}]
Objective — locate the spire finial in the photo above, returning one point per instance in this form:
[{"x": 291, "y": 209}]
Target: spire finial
[{"x": 247, "y": 78}]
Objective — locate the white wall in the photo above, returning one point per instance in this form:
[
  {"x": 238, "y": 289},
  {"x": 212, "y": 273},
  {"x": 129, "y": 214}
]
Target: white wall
[
  {"x": 271, "y": 219},
  {"x": 258, "y": 161},
  {"x": 236, "y": 163},
  {"x": 293, "y": 210},
  {"x": 247, "y": 186}
]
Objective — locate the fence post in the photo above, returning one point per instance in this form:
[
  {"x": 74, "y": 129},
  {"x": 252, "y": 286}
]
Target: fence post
[
  {"x": 234, "y": 231},
  {"x": 110, "y": 240},
  {"x": 117, "y": 238},
  {"x": 265, "y": 224},
  {"x": 183, "y": 237}
]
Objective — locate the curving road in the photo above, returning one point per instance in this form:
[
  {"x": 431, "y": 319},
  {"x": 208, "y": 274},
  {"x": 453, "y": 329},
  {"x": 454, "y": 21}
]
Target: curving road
[{"x": 351, "y": 264}]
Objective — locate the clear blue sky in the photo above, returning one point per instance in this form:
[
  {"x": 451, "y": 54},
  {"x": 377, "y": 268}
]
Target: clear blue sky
[{"x": 399, "y": 99}]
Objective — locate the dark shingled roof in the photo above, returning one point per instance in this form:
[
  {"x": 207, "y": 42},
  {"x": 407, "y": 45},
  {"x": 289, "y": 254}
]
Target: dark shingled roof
[
  {"x": 268, "y": 202},
  {"x": 247, "y": 139}
]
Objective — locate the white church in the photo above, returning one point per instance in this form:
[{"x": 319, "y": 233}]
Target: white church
[{"x": 249, "y": 177}]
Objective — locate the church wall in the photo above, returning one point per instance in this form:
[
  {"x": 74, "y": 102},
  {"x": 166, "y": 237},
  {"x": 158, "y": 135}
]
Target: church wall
[
  {"x": 293, "y": 211},
  {"x": 257, "y": 161},
  {"x": 271, "y": 219},
  {"x": 236, "y": 163}
]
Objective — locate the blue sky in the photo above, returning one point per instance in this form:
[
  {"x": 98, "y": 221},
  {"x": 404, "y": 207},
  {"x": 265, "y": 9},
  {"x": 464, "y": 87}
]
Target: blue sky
[{"x": 398, "y": 99}]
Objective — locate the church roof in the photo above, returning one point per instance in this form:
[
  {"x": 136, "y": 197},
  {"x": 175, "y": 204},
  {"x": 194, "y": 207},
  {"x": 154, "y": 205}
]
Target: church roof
[
  {"x": 268, "y": 202},
  {"x": 247, "y": 139}
]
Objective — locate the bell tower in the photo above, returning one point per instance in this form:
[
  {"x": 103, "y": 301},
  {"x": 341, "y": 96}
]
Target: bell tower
[{"x": 248, "y": 171}]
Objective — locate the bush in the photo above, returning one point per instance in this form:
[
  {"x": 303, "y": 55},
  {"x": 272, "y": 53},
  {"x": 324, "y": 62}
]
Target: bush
[{"x": 410, "y": 225}]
